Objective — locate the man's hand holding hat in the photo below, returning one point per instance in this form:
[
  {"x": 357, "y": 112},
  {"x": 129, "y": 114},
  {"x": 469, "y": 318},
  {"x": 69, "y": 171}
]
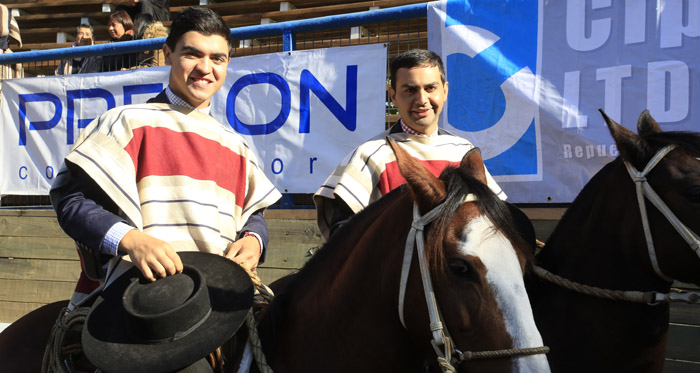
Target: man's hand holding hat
[
  {"x": 136, "y": 325},
  {"x": 153, "y": 257}
]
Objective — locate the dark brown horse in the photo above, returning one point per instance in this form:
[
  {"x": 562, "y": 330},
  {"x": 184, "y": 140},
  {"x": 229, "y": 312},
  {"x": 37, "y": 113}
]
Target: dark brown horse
[
  {"x": 341, "y": 313},
  {"x": 22, "y": 343},
  {"x": 600, "y": 241}
]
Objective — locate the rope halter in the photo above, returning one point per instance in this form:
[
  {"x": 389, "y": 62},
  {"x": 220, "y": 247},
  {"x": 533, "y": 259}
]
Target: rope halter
[
  {"x": 447, "y": 354},
  {"x": 645, "y": 190}
]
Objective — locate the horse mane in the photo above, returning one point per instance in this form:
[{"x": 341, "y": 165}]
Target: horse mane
[
  {"x": 651, "y": 143},
  {"x": 342, "y": 242},
  {"x": 459, "y": 183},
  {"x": 331, "y": 257},
  {"x": 646, "y": 146},
  {"x": 687, "y": 141},
  {"x": 583, "y": 201}
]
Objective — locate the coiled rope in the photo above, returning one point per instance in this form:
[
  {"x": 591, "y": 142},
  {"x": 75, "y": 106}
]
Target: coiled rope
[
  {"x": 52, "y": 361},
  {"x": 263, "y": 295}
]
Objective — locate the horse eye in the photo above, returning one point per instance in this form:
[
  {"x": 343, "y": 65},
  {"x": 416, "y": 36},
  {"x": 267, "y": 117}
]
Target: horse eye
[
  {"x": 459, "y": 267},
  {"x": 693, "y": 194}
]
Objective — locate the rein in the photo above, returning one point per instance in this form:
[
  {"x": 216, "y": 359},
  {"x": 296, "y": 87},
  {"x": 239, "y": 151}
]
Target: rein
[
  {"x": 447, "y": 354},
  {"x": 643, "y": 190},
  {"x": 650, "y": 297}
]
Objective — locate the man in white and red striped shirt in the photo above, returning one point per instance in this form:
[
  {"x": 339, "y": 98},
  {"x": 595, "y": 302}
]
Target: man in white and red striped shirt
[
  {"x": 419, "y": 91},
  {"x": 144, "y": 182}
]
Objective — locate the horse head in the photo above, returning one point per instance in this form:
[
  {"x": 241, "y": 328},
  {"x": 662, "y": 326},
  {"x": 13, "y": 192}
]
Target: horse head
[
  {"x": 476, "y": 259},
  {"x": 665, "y": 169}
]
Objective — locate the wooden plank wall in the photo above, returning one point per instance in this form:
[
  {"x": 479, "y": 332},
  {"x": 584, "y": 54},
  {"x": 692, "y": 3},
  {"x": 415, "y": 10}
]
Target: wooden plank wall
[
  {"x": 39, "y": 265},
  {"x": 38, "y": 262}
]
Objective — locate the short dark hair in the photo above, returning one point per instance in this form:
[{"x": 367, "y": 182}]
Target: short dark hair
[
  {"x": 203, "y": 20},
  {"x": 87, "y": 26},
  {"x": 124, "y": 18},
  {"x": 415, "y": 58}
]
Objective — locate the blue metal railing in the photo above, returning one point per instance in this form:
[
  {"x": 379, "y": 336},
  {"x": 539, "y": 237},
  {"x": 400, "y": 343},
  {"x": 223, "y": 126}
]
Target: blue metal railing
[{"x": 287, "y": 30}]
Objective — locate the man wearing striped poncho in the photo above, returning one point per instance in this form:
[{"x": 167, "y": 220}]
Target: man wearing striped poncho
[
  {"x": 419, "y": 91},
  {"x": 145, "y": 181}
]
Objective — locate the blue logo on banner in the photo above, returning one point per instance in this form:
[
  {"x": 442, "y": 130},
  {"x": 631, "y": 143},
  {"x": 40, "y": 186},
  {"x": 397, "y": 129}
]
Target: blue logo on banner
[{"x": 490, "y": 52}]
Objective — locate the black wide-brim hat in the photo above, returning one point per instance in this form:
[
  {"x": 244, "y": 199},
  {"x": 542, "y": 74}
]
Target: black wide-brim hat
[{"x": 133, "y": 327}]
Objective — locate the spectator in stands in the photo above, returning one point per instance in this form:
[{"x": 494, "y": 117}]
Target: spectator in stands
[
  {"x": 9, "y": 30},
  {"x": 120, "y": 28},
  {"x": 83, "y": 36},
  {"x": 419, "y": 91},
  {"x": 158, "y": 9},
  {"x": 9, "y": 34},
  {"x": 152, "y": 179},
  {"x": 147, "y": 28}
]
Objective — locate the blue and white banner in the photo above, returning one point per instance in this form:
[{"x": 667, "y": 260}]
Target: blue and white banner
[
  {"x": 301, "y": 112},
  {"x": 527, "y": 77}
]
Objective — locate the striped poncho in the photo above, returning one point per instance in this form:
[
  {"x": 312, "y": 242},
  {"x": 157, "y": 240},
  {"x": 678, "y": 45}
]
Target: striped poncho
[
  {"x": 174, "y": 173},
  {"x": 370, "y": 171}
]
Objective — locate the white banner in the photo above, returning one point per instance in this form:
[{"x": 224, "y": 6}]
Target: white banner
[
  {"x": 300, "y": 111},
  {"x": 527, "y": 78}
]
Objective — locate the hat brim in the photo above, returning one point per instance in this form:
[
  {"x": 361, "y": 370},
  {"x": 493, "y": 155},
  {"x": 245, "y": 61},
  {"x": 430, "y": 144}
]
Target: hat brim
[{"x": 108, "y": 345}]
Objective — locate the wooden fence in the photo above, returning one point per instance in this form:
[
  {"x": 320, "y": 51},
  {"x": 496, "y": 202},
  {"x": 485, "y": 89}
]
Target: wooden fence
[{"x": 39, "y": 265}]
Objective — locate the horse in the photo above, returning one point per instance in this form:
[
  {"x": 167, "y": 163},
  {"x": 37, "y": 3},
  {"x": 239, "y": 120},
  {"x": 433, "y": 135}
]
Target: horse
[
  {"x": 362, "y": 304},
  {"x": 23, "y": 342},
  {"x": 614, "y": 239}
]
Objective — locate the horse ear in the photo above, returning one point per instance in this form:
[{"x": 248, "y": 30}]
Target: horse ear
[
  {"x": 473, "y": 162},
  {"x": 427, "y": 189},
  {"x": 627, "y": 141},
  {"x": 646, "y": 125}
]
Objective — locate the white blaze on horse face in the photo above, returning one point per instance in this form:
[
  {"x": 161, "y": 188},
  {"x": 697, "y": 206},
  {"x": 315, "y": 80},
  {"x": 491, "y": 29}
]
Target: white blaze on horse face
[{"x": 503, "y": 273}]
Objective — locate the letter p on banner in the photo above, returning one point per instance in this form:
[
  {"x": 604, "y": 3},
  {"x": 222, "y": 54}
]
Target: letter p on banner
[{"x": 37, "y": 125}]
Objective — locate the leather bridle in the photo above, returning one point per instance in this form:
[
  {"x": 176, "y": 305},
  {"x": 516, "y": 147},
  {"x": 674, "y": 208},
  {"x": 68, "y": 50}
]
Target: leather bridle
[
  {"x": 645, "y": 190},
  {"x": 448, "y": 356}
]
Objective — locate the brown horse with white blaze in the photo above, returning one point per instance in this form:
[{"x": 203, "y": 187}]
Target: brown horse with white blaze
[
  {"x": 347, "y": 310},
  {"x": 601, "y": 242},
  {"x": 367, "y": 301}
]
